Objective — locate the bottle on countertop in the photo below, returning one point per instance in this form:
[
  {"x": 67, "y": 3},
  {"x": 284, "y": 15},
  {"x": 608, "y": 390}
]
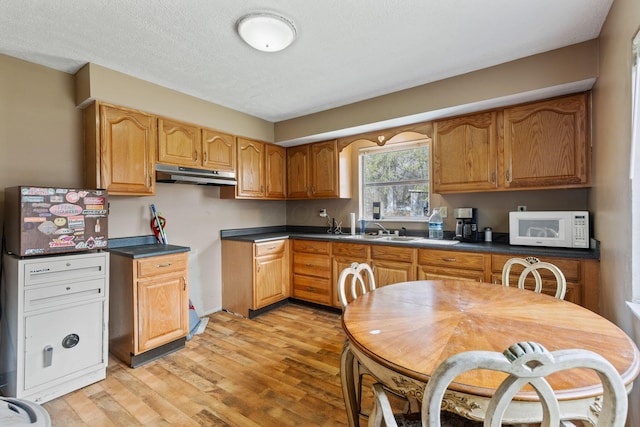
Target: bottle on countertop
[
  {"x": 488, "y": 234},
  {"x": 436, "y": 230}
]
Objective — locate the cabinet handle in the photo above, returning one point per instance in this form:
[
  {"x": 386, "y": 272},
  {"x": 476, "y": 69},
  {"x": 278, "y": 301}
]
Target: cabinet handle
[
  {"x": 508, "y": 175},
  {"x": 196, "y": 153},
  {"x": 309, "y": 288},
  {"x": 206, "y": 156},
  {"x": 184, "y": 283},
  {"x": 450, "y": 259},
  {"x": 258, "y": 266},
  {"x": 149, "y": 181},
  {"x": 169, "y": 264},
  {"x": 309, "y": 265},
  {"x": 493, "y": 177}
]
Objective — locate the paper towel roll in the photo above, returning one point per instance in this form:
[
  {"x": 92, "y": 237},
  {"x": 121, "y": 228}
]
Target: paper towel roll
[{"x": 353, "y": 224}]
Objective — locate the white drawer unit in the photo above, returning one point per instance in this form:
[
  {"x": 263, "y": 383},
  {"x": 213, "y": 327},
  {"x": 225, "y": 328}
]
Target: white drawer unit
[{"x": 54, "y": 324}]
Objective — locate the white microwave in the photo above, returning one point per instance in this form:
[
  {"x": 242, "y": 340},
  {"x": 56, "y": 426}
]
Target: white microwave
[{"x": 563, "y": 229}]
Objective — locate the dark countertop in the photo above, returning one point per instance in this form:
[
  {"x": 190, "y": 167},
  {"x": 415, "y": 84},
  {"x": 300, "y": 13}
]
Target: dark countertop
[
  {"x": 142, "y": 247},
  {"x": 501, "y": 246}
]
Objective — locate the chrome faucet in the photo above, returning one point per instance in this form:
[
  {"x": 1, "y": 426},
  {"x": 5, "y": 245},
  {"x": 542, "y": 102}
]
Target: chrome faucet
[{"x": 382, "y": 229}]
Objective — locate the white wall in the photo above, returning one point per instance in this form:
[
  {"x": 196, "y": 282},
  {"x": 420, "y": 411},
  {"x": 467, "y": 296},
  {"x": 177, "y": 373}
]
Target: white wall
[
  {"x": 41, "y": 144},
  {"x": 611, "y": 194}
]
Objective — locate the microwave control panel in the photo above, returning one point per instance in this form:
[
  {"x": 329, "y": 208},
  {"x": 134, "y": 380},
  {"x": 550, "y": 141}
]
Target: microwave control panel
[{"x": 580, "y": 238}]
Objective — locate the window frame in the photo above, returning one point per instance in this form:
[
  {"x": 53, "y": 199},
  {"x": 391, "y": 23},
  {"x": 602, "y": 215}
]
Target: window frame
[
  {"x": 389, "y": 147},
  {"x": 634, "y": 172}
]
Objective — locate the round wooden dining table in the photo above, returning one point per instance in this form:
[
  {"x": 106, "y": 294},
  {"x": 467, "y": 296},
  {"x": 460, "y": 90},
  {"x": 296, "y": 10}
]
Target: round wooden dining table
[{"x": 400, "y": 333}]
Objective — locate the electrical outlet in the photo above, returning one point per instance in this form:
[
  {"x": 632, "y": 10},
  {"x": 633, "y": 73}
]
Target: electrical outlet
[
  {"x": 444, "y": 212},
  {"x": 522, "y": 208},
  {"x": 323, "y": 213}
]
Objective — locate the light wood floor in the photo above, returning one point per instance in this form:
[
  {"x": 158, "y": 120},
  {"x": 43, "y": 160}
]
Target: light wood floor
[{"x": 281, "y": 368}]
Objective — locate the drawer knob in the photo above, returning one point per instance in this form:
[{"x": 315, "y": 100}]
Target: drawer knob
[{"x": 168, "y": 264}]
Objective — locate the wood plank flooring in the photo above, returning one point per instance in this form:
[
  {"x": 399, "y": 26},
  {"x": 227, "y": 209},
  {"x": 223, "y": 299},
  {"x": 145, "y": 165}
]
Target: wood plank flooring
[{"x": 279, "y": 369}]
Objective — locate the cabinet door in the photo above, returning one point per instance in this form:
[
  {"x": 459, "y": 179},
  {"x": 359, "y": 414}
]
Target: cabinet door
[
  {"x": 269, "y": 280},
  {"x": 465, "y": 154},
  {"x": 127, "y": 151},
  {"x": 324, "y": 169},
  {"x": 275, "y": 171},
  {"x": 390, "y": 272},
  {"x": 163, "y": 311},
  {"x": 250, "y": 169},
  {"x": 546, "y": 144},
  {"x": 218, "y": 150},
  {"x": 298, "y": 172},
  {"x": 179, "y": 143}
]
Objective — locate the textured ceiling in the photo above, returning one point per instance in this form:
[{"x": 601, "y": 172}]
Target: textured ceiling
[{"x": 346, "y": 50}]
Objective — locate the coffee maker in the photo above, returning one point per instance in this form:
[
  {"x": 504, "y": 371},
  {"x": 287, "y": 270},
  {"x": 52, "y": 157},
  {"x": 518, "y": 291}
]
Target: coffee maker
[{"x": 466, "y": 224}]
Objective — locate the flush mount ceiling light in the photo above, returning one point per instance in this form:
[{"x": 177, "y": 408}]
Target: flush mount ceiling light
[{"x": 267, "y": 32}]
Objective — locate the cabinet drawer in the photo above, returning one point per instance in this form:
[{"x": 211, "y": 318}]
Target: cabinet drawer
[
  {"x": 268, "y": 248},
  {"x": 312, "y": 265},
  {"x": 311, "y": 246},
  {"x": 312, "y": 289},
  {"x": 64, "y": 293},
  {"x": 451, "y": 259},
  {"x": 393, "y": 253},
  {"x": 353, "y": 250},
  {"x": 570, "y": 267},
  {"x": 51, "y": 270},
  {"x": 162, "y": 264}
]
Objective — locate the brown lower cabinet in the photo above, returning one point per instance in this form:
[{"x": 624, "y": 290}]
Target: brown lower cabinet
[
  {"x": 311, "y": 271},
  {"x": 151, "y": 316},
  {"x": 316, "y": 265},
  {"x": 582, "y": 277},
  {"x": 440, "y": 265},
  {"x": 254, "y": 275},
  {"x": 393, "y": 264}
]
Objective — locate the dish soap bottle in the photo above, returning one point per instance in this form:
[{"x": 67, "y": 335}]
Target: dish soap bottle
[{"x": 435, "y": 225}]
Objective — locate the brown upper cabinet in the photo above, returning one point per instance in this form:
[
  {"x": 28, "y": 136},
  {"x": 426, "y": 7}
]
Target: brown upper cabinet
[
  {"x": 120, "y": 148},
  {"x": 546, "y": 144},
  {"x": 538, "y": 145},
  {"x": 465, "y": 153},
  {"x": 179, "y": 143},
  {"x": 184, "y": 144},
  {"x": 319, "y": 171},
  {"x": 218, "y": 150},
  {"x": 261, "y": 171}
]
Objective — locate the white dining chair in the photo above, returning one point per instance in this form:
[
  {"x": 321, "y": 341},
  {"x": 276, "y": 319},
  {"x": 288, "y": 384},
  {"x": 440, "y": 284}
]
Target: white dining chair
[
  {"x": 355, "y": 280},
  {"x": 531, "y": 266},
  {"x": 525, "y": 363}
]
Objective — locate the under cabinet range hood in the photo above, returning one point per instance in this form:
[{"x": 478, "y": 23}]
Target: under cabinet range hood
[{"x": 184, "y": 175}]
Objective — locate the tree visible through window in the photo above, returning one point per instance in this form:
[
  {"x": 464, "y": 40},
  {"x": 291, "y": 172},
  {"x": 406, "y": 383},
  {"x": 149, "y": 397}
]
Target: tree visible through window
[{"x": 397, "y": 176}]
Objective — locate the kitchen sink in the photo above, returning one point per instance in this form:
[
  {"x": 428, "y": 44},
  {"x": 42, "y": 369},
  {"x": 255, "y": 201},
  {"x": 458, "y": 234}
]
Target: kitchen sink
[
  {"x": 402, "y": 238},
  {"x": 398, "y": 239},
  {"x": 441, "y": 242},
  {"x": 363, "y": 236}
]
